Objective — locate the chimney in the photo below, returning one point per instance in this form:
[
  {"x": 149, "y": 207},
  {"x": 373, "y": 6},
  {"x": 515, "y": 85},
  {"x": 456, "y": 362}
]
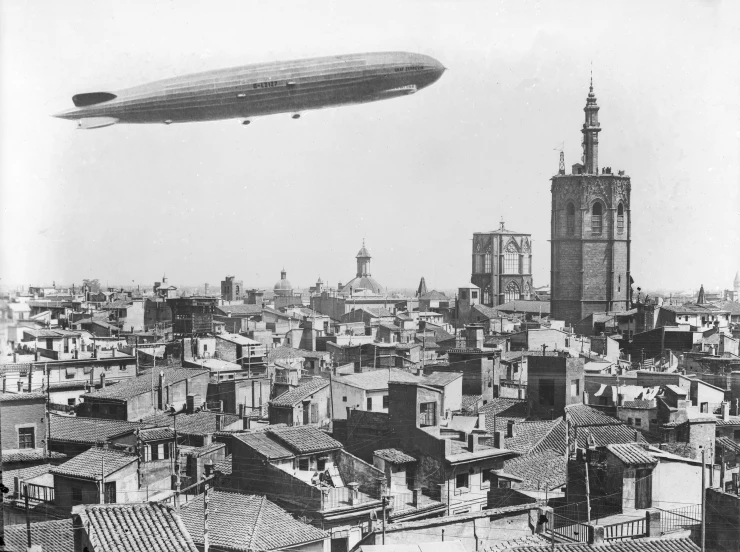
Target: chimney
[
  {"x": 349, "y": 410},
  {"x": 102, "y": 380},
  {"x": 113, "y": 352},
  {"x": 160, "y": 391},
  {"x": 20, "y": 386},
  {"x": 36, "y": 355},
  {"x": 482, "y": 421},
  {"x": 15, "y": 357},
  {"x": 737, "y": 407},
  {"x": 620, "y": 399},
  {"x": 472, "y": 442},
  {"x": 218, "y": 422},
  {"x": 498, "y": 439},
  {"x": 725, "y": 411},
  {"x": 510, "y": 432}
]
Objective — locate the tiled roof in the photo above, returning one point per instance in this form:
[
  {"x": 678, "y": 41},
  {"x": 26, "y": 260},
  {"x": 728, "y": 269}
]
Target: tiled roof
[
  {"x": 378, "y": 379},
  {"x": 30, "y": 455},
  {"x": 540, "y": 471},
  {"x": 631, "y": 455},
  {"x": 89, "y": 464},
  {"x": 528, "y": 434},
  {"x": 434, "y": 295},
  {"x": 119, "y": 304},
  {"x": 8, "y": 397},
  {"x": 24, "y": 474},
  {"x": 200, "y": 423},
  {"x": 86, "y": 430},
  {"x": 728, "y": 443},
  {"x": 639, "y": 404},
  {"x": 52, "y": 536},
  {"x": 693, "y": 308},
  {"x": 264, "y": 445},
  {"x": 224, "y": 466},
  {"x": 134, "y": 387},
  {"x": 298, "y": 394},
  {"x": 441, "y": 378},
  {"x": 156, "y": 434},
  {"x": 732, "y": 420},
  {"x": 305, "y": 439},
  {"x": 501, "y": 410},
  {"x": 240, "y": 310},
  {"x": 148, "y": 527},
  {"x": 247, "y": 522},
  {"x": 394, "y": 456},
  {"x": 553, "y": 441},
  {"x": 470, "y": 401},
  {"x": 658, "y": 545},
  {"x": 279, "y": 353},
  {"x": 608, "y": 435},
  {"x": 582, "y": 415}
]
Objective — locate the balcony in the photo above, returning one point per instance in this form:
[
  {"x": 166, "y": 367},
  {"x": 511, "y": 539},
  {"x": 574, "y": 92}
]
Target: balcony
[{"x": 344, "y": 497}]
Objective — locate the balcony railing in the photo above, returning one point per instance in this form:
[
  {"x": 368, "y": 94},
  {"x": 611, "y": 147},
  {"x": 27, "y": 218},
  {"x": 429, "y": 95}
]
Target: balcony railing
[
  {"x": 41, "y": 493},
  {"x": 344, "y": 497}
]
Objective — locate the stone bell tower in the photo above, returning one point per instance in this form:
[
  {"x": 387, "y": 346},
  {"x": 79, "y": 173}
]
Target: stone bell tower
[{"x": 590, "y": 233}]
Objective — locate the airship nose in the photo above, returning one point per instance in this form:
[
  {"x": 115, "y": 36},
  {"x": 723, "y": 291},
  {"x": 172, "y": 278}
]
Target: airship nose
[{"x": 68, "y": 114}]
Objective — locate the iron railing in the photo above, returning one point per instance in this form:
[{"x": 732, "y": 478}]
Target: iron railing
[
  {"x": 569, "y": 529},
  {"x": 626, "y": 530},
  {"x": 600, "y": 508},
  {"x": 680, "y": 518}
]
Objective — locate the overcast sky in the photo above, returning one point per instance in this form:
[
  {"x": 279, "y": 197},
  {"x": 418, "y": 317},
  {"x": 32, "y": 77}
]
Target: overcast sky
[{"x": 414, "y": 176}]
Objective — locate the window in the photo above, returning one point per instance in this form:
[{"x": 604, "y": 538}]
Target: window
[
  {"x": 428, "y": 414},
  {"x": 76, "y": 495},
  {"x": 653, "y": 421},
  {"x": 26, "y": 438},
  {"x": 504, "y": 484},
  {"x": 71, "y": 402},
  {"x": 369, "y": 404},
  {"x": 570, "y": 219},
  {"x": 526, "y": 264},
  {"x": 303, "y": 464},
  {"x": 547, "y": 392},
  {"x": 487, "y": 295},
  {"x": 511, "y": 260},
  {"x": 485, "y": 478},
  {"x": 461, "y": 481},
  {"x": 487, "y": 262},
  {"x": 386, "y": 401},
  {"x": 110, "y": 492},
  {"x": 629, "y": 421},
  {"x": 477, "y": 264},
  {"x": 512, "y": 292},
  {"x": 463, "y": 294},
  {"x": 638, "y": 422},
  {"x": 575, "y": 388},
  {"x": 596, "y": 218},
  {"x": 620, "y": 219},
  {"x": 321, "y": 464},
  {"x": 474, "y": 294},
  {"x": 155, "y": 452},
  {"x": 736, "y": 434},
  {"x": 344, "y": 399}
]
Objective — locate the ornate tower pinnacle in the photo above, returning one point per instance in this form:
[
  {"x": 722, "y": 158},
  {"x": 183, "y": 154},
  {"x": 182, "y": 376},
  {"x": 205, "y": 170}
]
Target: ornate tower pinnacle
[{"x": 591, "y": 129}]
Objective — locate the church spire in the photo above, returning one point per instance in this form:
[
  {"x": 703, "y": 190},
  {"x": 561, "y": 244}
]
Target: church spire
[
  {"x": 701, "y": 299},
  {"x": 591, "y": 129}
]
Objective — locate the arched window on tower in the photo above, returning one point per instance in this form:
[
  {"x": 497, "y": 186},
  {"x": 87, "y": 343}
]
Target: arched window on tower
[
  {"x": 487, "y": 295},
  {"x": 512, "y": 292},
  {"x": 620, "y": 219},
  {"x": 596, "y": 218},
  {"x": 570, "y": 219},
  {"x": 511, "y": 260},
  {"x": 488, "y": 261}
]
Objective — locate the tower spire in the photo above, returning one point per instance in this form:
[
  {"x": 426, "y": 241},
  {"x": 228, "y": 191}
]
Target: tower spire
[{"x": 591, "y": 129}]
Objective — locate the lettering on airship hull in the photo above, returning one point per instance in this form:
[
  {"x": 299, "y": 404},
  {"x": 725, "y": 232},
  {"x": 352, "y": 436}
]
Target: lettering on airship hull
[
  {"x": 409, "y": 68},
  {"x": 268, "y": 84}
]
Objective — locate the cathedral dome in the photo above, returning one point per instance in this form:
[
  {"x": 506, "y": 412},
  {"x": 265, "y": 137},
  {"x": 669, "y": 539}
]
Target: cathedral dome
[{"x": 283, "y": 285}]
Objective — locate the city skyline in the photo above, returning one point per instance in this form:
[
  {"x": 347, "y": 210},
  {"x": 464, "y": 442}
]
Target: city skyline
[{"x": 414, "y": 176}]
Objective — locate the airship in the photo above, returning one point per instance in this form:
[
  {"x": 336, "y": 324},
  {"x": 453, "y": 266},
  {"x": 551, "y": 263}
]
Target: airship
[{"x": 259, "y": 89}]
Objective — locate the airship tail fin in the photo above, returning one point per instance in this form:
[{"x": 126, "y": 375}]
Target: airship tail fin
[
  {"x": 92, "y": 98},
  {"x": 95, "y": 122}
]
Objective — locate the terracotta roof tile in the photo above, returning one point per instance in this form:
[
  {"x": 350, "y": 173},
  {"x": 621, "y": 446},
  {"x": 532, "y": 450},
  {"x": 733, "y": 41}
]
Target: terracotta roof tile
[
  {"x": 134, "y": 387},
  {"x": 149, "y": 527},
  {"x": 89, "y": 464},
  {"x": 631, "y": 454},
  {"x": 86, "y": 430},
  {"x": 298, "y": 394},
  {"x": 660, "y": 545},
  {"x": 304, "y": 439},
  {"x": 52, "y": 536},
  {"x": 30, "y": 455},
  {"x": 528, "y": 435},
  {"x": 378, "y": 379},
  {"x": 200, "y": 423},
  {"x": 540, "y": 471},
  {"x": 394, "y": 456},
  {"x": 582, "y": 415},
  {"x": 247, "y": 522}
]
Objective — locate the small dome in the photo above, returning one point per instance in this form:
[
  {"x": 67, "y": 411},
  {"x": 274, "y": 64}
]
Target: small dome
[{"x": 283, "y": 284}]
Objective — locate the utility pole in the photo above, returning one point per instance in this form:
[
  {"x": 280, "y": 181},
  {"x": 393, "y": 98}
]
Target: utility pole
[
  {"x": 28, "y": 517},
  {"x": 588, "y": 493},
  {"x": 47, "y": 452},
  {"x": 385, "y": 500},
  {"x": 703, "y": 504}
]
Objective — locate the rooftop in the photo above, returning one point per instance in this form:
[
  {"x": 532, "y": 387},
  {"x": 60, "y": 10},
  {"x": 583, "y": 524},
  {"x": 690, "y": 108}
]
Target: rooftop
[
  {"x": 264, "y": 445},
  {"x": 247, "y": 522},
  {"x": 378, "y": 379},
  {"x": 134, "y": 387},
  {"x": 304, "y": 439},
  {"x": 199, "y": 423},
  {"x": 298, "y": 394},
  {"x": 394, "y": 456},
  {"x": 539, "y": 471},
  {"x": 582, "y": 415},
  {"x": 53, "y": 536},
  {"x": 89, "y": 464},
  {"x": 442, "y": 378},
  {"x": 521, "y": 305},
  {"x": 658, "y": 545},
  {"x": 631, "y": 455},
  {"x": 279, "y": 353},
  {"x": 135, "y": 527},
  {"x": 86, "y": 430},
  {"x": 240, "y": 310}
]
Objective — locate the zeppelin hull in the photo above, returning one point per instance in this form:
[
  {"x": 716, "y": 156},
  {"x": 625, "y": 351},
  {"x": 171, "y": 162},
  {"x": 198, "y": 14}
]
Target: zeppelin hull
[{"x": 266, "y": 89}]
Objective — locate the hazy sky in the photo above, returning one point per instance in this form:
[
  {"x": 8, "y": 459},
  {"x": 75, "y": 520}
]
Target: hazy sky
[{"x": 415, "y": 176}]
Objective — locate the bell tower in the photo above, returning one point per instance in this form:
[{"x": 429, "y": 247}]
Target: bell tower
[{"x": 590, "y": 233}]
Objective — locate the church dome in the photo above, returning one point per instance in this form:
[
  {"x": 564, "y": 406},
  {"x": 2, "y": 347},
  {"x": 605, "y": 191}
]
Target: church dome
[{"x": 283, "y": 285}]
